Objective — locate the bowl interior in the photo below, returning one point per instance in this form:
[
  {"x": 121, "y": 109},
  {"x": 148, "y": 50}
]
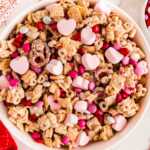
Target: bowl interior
[{"x": 141, "y": 41}]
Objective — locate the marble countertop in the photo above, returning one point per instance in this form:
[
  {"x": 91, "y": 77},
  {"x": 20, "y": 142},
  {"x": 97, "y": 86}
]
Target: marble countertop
[{"x": 140, "y": 138}]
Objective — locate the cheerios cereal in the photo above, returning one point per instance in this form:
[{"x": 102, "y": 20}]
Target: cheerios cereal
[{"x": 72, "y": 74}]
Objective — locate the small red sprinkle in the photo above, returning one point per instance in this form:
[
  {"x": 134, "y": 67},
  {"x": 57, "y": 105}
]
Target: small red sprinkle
[
  {"x": 73, "y": 74},
  {"x": 40, "y": 25},
  {"x": 148, "y": 22},
  {"x": 77, "y": 36},
  {"x": 124, "y": 51},
  {"x": 81, "y": 51},
  {"x": 25, "y": 102},
  {"x": 33, "y": 117},
  {"x": 81, "y": 69},
  {"x": 105, "y": 45},
  {"x": 18, "y": 40},
  {"x": 62, "y": 93},
  {"x": 14, "y": 54},
  {"x": 96, "y": 29},
  {"x": 53, "y": 26}
]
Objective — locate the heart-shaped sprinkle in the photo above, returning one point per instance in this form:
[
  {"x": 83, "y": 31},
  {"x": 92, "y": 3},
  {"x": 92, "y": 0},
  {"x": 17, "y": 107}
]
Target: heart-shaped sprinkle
[
  {"x": 88, "y": 37},
  {"x": 66, "y": 27},
  {"x": 90, "y": 62},
  {"x": 103, "y": 7},
  {"x": 113, "y": 55},
  {"x": 120, "y": 123},
  {"x": 19, "y": 65},
  {"x": 3, "y": 82},
  {"x": 71, "y": 120},
  {"x": 82, "y": 139},
  {"x": 81, "y": 106},
  {"x": 80, "y": 82},
  {"x": 141, "y": 68},
  {"x": 55, "y": 67}
]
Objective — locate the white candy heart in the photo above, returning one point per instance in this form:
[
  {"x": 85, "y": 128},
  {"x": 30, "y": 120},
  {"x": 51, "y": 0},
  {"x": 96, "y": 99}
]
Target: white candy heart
[
  {"x": 66, "y": 27},
  {"x": 81, "y": 106},
  {"x": 71, "y": 120},
  {"x": 3, "y": 82},
  {"x": 80, "y": 82},
  {"x": 113, "y": 55},
  {"x": 82, "y": 139},
  {"x": 88, "y": 37},
  {"x": 120, "y": 122},
  {"x": 103, "y": 7},
  {"x": 90, "y": 62},
  {"x": 55, "y": 67},
  {"x": 20, "y": 65}
]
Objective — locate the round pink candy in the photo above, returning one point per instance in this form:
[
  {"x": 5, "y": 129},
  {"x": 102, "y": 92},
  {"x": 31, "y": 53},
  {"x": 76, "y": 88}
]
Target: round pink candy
[
  {"x": 82, "y": 123},
  {"x": 65, "y": 140},
  {"x": 39, "y": 104},
  {"x": 120, "y": 122},
  {"x": 26, "y": 47}
]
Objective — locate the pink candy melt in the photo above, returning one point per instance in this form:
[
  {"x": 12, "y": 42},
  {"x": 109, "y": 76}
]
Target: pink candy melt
[
  {"x": 13, "y": 82},
  {"x": 73, "y": 74},
  {"x": 81, "y": 69},
  {"x": 82, "y": 124},
  {"x": 92, "y": 86},
  {"x": 39, "y": 104},
  {"x": 26, "y": 47},
  {"x": 65, "y": 140},
  {"x": 92, "y": 108}
]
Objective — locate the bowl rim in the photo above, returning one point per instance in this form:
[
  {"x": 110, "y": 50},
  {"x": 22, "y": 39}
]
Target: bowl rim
[{"x": 37, "y": 6}]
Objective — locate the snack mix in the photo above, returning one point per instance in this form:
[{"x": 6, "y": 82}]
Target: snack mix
[{"x": 72, "y": 74}]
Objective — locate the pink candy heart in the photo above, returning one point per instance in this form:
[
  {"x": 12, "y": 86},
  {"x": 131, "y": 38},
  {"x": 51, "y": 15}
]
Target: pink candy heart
[
  {"x": 80, "y": 82},
  {"x": 88, "y": 37},
  {"x": 120, "y": 122},
  {"x": 113, "y": 55},
  {"x": 66, "y": 27},
  {"x": 19, "y": 65},
  {"x": 81, "y": 106},
  {"x": 141, "y": 68},
  {"x": 103, "y": 7},
  {"x": 82, "y": 139},
  {"x": 3, "y": 82},
  {"x": 90, "y": 62}
]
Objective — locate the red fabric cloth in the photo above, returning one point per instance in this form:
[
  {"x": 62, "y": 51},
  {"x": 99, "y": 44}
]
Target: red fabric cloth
[{"x": 6, "y": 140}]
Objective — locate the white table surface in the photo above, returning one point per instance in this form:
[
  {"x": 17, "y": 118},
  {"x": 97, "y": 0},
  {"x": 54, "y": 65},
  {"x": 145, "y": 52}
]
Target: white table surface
[{"x": 140, "y": 138}]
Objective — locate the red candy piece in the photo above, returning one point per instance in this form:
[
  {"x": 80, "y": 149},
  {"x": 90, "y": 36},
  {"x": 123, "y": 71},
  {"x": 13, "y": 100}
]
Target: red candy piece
[
  {"x": 81, "y": 51},
  {"x": 73, "y": 74},
  {"x": 40, "y": 26},
  {"x": 100, "y": 116},
  {"x": 18, "y": 40},
  {"x": 36, "y": 136},
  {"x": 96, "y": 29},
  {"x": 53, "y": 26},
  {"x": 25, "y": 102},
  {"x": 33, "y": 118},
  {"x": 124, "y": 51},
  {"x": 105, "y": 45},
  {"x": 14, "y": 54},
  {"x": 77, "y": 36},
  {"x": 148, "y": 22}
]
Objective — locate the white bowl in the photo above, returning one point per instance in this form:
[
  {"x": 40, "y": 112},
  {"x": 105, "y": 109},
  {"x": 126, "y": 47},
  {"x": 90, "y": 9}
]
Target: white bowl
[
  {"x": 25, "y": 138},
  {"x": 143, "y": 23}
]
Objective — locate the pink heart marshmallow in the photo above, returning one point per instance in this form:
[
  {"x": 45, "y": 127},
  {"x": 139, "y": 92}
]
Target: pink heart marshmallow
[
  {"x": 90, "y": 62},
  {"x": 82, "y": 139},
  {"x": 141, "y": 68},
  {"x": 88, "y": 37},
  {"x": 80, "y": 82},
  {"x": 20, "y": 65},
  {"x": 113, "y": 55},
  {"x": 3, "y": 82},
  {"x": 120, "y": 122},
  {"x": 66, "y": 27}
]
